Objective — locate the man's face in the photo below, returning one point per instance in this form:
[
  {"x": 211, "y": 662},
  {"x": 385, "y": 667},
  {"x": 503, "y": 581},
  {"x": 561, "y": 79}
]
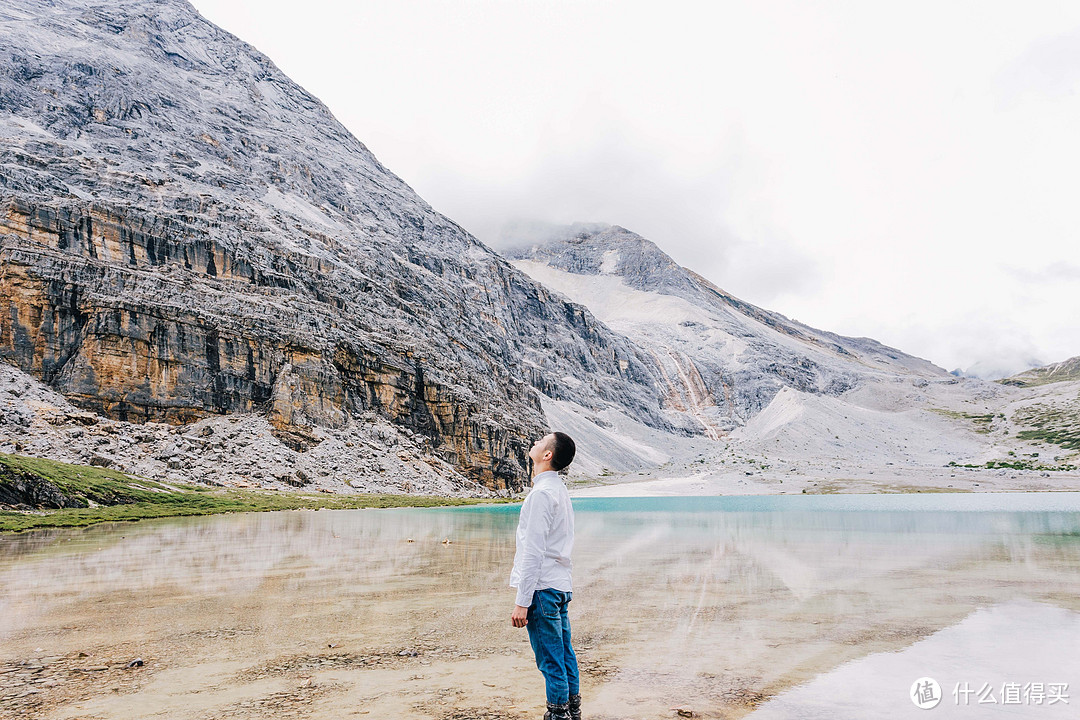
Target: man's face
[{"x": 541, "y": 446}]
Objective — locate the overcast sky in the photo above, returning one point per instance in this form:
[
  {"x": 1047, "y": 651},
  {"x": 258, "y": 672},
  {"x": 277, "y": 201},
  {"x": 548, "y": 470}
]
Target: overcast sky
[{"x": 905, "y": 171}]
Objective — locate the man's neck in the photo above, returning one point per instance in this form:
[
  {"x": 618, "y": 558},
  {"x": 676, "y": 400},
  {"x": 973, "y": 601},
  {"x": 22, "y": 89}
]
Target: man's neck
[{"x": 541, "y": 471}]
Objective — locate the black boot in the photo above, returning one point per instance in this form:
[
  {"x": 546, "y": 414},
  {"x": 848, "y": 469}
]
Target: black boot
[
  {"x": 557, "y": 712},
  {"x": 575, "y": 707}
]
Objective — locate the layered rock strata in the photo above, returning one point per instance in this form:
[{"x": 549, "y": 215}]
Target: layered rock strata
[
  {"x": 184, "y": 233},
  {"x": 368, "y": 453}
]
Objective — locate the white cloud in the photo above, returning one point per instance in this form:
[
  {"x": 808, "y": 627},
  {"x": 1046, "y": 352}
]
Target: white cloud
[
  {"x": 1050, "y": 67},
  {"x": 904, "y": 171},
  {"x": 1055, "y": 272}
]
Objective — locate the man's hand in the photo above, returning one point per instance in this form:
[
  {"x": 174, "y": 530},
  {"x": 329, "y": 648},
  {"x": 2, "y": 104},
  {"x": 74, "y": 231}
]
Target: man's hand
[{"x": 520, "y": 617}]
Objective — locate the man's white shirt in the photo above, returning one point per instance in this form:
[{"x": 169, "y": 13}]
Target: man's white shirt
[{"x": 545, "y": 538}]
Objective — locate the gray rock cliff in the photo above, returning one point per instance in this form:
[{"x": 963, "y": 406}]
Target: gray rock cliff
[{"x": 185, "y": 232}]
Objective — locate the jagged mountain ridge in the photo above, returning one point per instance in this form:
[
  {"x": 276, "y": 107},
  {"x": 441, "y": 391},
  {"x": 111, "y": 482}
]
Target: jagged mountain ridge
[
  {"x": 723, "y": 358},
  {"x": 186, "y": 232}
]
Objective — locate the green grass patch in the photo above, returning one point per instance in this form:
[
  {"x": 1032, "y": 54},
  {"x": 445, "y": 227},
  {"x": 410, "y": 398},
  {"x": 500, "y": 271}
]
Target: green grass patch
[
  {"x": 124, "y": 498},
  {"x": 1014, "y": 465},
  {"x": 981, "y": 422},
  {"x": 100, "y": 485},
  {"x": 1056, "y": 424},
  {"x": 1068, "y": 438}
]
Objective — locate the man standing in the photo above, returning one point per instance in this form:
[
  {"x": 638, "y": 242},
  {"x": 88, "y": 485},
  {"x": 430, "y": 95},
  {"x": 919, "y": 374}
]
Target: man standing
[{"x": 545, "y": 538}]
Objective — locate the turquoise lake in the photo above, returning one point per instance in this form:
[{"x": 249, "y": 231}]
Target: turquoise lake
[{"x": 829, "y": 606}]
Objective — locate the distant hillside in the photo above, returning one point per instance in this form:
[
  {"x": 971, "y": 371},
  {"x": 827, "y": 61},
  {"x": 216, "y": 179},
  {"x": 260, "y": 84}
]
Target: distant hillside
[
  {"x": 779, "y": 400},
  {"x": 723, "y": 360},
  {"x": 1055, "y": 372}
]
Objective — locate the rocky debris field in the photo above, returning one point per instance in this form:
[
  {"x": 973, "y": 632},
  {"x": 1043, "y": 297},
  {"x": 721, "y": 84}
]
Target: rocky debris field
[{"x": 369, "y": 454}]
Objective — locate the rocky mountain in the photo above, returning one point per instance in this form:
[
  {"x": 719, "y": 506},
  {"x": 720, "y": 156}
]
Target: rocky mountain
[
  {"x": 1063, "y": 371},
  {"x": 722, "y": 360},
  {"x": 203, "y": 275},
  {"x": 784, "y": 407},
  {"x": 369, "y": 453},
  {"x": 186, "y": 233}
]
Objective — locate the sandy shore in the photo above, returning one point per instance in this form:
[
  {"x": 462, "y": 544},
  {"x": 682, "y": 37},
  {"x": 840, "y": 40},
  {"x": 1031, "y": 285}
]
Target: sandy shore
[{"x": 884, "y": 480}]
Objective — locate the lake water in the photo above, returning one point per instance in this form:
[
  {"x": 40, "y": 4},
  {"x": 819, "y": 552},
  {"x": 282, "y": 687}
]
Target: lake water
[{"x": 760, "y": 607}]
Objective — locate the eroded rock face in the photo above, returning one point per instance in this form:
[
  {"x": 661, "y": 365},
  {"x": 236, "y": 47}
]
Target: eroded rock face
[
  {"x": 184, "y": 232},
  {"x": 26, "y": 490}
]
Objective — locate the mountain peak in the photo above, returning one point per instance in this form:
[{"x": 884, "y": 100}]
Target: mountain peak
[
  {"x": 600, "y": 249},
  {"x": 785, "y": 351}
]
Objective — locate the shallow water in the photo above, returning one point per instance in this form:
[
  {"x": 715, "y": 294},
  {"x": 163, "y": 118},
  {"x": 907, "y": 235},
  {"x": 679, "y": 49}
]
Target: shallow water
[{"x": 776, "y": 607}]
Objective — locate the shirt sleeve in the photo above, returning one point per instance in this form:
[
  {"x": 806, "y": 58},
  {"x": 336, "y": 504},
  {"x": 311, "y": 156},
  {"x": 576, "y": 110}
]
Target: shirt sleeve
[{"x": 536, "y": 517}]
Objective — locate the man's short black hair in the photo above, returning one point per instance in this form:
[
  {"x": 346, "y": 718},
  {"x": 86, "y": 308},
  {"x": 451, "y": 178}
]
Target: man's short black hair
[{"x": 562, "y": 451}]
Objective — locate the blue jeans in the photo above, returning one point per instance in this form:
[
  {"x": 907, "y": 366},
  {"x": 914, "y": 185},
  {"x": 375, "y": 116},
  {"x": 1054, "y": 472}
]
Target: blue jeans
[{"x": 549, "y": 635}]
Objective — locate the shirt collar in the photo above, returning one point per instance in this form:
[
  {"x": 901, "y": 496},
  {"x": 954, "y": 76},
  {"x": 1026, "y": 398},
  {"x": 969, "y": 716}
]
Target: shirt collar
[{"x": 546, "y": 476}]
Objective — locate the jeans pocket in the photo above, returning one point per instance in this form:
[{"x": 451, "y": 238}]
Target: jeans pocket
[{"x": 547, "y": 605}]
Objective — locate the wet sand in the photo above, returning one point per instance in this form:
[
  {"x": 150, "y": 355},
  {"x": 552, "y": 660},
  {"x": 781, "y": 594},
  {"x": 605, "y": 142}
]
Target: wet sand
[{"x": 336, "y": 614}]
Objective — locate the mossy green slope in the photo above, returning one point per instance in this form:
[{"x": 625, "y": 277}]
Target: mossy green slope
[
  {"x": 1057, "y": 423},
  {"x": 114, "y": 496}
]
